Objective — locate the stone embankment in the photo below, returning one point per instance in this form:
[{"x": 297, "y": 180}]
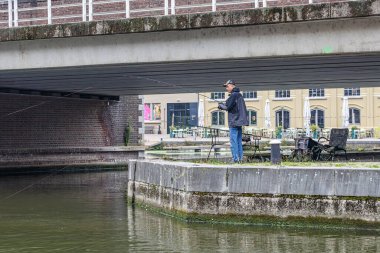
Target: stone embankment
[
  {"x": 14, "y": 160},
  {"x": 339, "y": 197}
]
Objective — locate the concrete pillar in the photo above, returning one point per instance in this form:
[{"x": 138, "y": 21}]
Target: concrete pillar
[{"x": 275, "y": 152}]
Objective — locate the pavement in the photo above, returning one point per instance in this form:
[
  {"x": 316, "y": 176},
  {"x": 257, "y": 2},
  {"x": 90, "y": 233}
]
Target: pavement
[{"x": 153, "y": 139}]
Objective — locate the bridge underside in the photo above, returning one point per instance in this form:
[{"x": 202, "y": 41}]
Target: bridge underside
[{"x": 199, "y": 76}]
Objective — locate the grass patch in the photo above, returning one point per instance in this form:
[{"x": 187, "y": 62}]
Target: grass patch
[{"x": 297, "y": 164}]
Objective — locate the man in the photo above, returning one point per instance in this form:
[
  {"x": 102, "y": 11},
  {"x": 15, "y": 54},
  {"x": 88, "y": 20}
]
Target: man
[{"x": 237, "y": 117}]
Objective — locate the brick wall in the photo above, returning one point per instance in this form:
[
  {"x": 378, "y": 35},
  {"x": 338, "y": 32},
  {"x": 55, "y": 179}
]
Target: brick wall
[
  {"x": 62, "y": 122},
  {"x": 120, "y": 114}
]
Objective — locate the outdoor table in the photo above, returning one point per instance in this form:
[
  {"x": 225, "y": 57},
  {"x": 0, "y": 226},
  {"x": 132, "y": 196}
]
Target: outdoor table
[{"x": 180, "y": 133}]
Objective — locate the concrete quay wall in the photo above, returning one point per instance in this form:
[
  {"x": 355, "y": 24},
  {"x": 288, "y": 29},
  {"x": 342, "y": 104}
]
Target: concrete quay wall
[
  {"x": 65, "y": 158},
  {"x": 341, "y": 194}
]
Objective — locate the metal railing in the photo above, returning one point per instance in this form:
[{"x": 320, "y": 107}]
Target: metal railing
[{"x": 14, "y": 13}]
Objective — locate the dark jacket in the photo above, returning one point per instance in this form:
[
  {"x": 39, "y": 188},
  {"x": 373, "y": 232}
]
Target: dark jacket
[{"x": 237, "y": 111}]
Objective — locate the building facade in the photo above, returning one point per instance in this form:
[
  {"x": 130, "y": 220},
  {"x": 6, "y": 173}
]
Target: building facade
[
  {"x": 286, "y": 108},
  {"x": 163, "y": 111}
]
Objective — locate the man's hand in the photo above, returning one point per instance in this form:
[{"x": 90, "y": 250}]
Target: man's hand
[{"x": 222, "y": 106}]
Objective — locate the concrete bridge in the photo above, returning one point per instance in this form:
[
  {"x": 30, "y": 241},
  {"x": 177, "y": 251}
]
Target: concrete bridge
[
  {"x": 329, "y": 45},
  {"x": 315, "y": 45}
]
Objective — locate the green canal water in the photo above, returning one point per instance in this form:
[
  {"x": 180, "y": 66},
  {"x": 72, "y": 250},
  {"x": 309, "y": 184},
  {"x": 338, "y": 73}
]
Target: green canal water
[{"x": 87, "y": 212}]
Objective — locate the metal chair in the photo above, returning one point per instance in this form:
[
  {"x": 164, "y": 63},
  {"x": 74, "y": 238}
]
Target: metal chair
[
  {"x": 337, "y": 142},
  {"x": 252, "y": 142},
  {"x": 369, "y": 133},
  {"x": 303, "y": 149}
]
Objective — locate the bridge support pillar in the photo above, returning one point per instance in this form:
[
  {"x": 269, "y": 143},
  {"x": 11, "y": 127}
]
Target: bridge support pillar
[{"x": 29, "y": 121}]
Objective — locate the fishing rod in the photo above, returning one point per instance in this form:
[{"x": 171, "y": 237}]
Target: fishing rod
[
  {"x": 176, "y": 85},
  {"x": 214, "y": 132},
  {"x": 41, "y": 103},
  {"x": 34, "y": 183},
  {"x": 53, "y": 172},
  {"x": 87, "y": 88},
  {"x": 72, "y": 93}
]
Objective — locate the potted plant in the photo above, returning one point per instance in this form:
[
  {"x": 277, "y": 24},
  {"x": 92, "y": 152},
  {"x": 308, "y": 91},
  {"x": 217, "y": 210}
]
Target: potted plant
[
  {"x": 314, "y": 130},
  {"x": 353, "y": 132},
  {"x": 172, "y": 128},
  {"x": 127, "y": 133},
  {"x": 279, "y": 132}
]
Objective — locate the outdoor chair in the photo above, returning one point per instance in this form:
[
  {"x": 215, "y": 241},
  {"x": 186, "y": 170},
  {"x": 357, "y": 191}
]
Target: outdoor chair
[
  {"x": 369, "y": 133},
  {"x": 224, "y": 132},
  {"x": 327, "y": 148},
  {"x": 300, "y": 133},
  {"x": 362, "y": 133},
  {"x": 290, "y": 133},
  {"x": 326, "y": 133},
  {"x": 303, "y": 149},
  {"x": 257, "y": 132}
]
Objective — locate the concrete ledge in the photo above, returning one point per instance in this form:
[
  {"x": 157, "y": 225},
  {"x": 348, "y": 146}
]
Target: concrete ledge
[
  {"x": 52, "y": 150},
  {"x": 272, "y": 15},
  {"x": 350, "y": 182},
  {"x": 341, "y": 193},
  {"x": 55, "y": 157},
  {"x": 214, "y": 207}
]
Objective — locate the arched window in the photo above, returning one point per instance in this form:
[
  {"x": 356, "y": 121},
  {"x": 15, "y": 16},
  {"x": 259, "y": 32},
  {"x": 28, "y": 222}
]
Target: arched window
[
  {"x": 283, "y": 118},
  {"x": 317, "y": 118},
  {"x": 354, "y": 116},
  {"x": 252, "y": 118},
  {"x": 217, "y": 118}
]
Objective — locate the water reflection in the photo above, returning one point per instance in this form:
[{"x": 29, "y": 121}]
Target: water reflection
[{"x": 87, "y": 213}]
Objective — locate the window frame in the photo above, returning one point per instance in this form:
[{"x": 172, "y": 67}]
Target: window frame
[
  {"x": 218, "y": 118},
  {"x": 317, "y": 93},
  {"x": 253, "y": 93},
  {"x": 351, "y": 92},
  {"x": 277, "y": 120},
  {"x": 352, "y": 116},
  {"x": 282, "y": 93},
  {"x": 316, "y": 117},
  {"x": 215, "y": 95},
  {"x": 152, "y": 113},
  {"x": 250, "y": 111}
]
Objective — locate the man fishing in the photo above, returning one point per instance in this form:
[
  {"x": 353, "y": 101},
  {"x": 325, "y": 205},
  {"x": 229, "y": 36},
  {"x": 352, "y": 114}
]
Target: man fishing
[{"x": 237, "y": 117}]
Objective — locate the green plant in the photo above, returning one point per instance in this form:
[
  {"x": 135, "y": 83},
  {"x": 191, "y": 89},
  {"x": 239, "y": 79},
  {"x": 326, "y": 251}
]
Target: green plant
[
  {"x": 127, "y": 133},
  {"x": 188, "y": 143},
  {"x": 314, "y": 128},
  {"x": 354, "y": 128},
  {"x": 278, "y": 130},
  {"x": 159, "y": 146}
]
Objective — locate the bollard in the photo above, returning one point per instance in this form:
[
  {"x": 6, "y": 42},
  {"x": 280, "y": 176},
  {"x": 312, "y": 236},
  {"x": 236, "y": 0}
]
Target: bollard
[{"x": 275, "y": 152}]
